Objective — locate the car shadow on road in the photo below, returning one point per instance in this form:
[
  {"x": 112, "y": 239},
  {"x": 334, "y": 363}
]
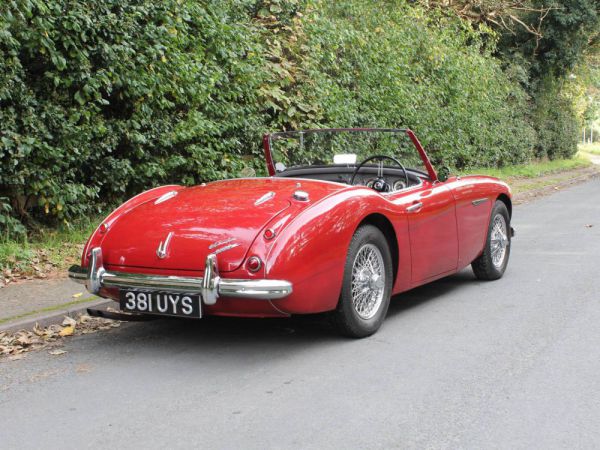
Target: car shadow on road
[
  {"x": 429, "y": 292},
  {"x": 241, "y": 337}
]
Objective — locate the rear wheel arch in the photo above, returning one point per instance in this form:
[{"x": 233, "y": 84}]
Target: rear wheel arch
[{"x": 385, "y": 226}]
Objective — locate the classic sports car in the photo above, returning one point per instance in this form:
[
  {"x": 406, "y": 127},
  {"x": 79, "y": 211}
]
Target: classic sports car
[{"x": 346, "y": 219}]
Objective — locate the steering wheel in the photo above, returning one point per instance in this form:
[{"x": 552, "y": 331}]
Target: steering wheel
[{"x": 380, "y": 184}]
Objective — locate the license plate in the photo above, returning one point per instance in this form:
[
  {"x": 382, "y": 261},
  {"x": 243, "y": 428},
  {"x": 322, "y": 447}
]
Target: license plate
[{"x": 161, "y": 303}]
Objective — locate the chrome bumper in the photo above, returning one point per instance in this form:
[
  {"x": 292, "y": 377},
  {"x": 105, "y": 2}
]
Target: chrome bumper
[{"x": 211, "y": 286}]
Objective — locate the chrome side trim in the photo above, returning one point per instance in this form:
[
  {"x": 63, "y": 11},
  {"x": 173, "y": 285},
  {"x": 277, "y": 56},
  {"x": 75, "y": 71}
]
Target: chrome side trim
[
  {"x": 165, "y": 197},
  {"x": 479, "y": 201},
  {"x": 221, "y": 242},
  {"x": 265, "y": 198},
  {"x": 415, "y": 207},
  {"x": 211, "y": 286},
  {"x": 227, "y": 247}
]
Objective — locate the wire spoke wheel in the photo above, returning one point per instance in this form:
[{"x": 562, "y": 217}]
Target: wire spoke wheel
[
  {"x": 499, "y": 240},
  {"x": 367, "y": 284},
  {"x": 492, "y": 262},
  {"x": 368, "y": 281}
]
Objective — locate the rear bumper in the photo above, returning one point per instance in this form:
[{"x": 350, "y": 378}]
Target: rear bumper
[{"x": 211, "y": 286}]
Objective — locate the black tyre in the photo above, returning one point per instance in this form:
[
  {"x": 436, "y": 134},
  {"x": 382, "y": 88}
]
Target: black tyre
[
  {"x": 491, "y": 264},
  {"x": 367, "y": 284}
]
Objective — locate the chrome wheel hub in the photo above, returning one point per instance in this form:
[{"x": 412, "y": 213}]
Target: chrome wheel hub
[
  {"x": 499, "y": 240},
  {"x": 368, "y": 281}
]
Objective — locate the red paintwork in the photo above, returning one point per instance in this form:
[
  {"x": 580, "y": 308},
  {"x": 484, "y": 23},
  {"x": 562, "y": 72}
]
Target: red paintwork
[
  {"x": 98, "y": 235},
  {"x": 311, "y": 238}
]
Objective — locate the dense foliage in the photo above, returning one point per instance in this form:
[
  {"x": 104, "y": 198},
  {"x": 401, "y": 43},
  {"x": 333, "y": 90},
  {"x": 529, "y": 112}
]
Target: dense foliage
[
  {"x": 568, "y": 32},
  {"x": 100, "y": 100},
  {"x": 553, "y": 45}
]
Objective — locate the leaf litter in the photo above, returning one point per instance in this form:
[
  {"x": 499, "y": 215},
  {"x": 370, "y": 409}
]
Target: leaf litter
[{"x": 14, "y": 345}]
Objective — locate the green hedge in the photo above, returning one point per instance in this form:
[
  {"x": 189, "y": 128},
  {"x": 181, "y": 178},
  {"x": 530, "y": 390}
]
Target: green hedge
[
  {"x": 396, "y": 66},
  {"x": 100, "y": 100},
  {"x": 556, "y": 121}
]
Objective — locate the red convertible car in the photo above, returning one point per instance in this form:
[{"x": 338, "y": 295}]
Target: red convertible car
[{"x": 346, "y": 219}]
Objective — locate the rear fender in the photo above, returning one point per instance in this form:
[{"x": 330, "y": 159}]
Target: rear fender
[{"x": 311, "y": 251}]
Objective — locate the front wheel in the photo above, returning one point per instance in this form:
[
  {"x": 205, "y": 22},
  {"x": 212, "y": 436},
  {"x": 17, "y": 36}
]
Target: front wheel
[
  {"x": 491, "y": 264},
  {"x": 367, "y": 284}
]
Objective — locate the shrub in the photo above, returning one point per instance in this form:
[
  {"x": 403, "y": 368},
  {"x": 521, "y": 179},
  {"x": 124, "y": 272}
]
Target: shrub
[
  {"x": 100, "y": 100},
  {"x": 555, "y": 121},
  {"x": 396, "y": 66}
]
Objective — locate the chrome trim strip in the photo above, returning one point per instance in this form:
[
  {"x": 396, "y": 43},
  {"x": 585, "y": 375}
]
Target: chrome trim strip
[
  {"x": 265, "y": 198},
  {"x": 165, "y": 197},
  {"x": 479, "y": 201},
  {"x": 415, "y": 207},
  {"x": 227, "y": 247},
  {"x": 211, "y": 286},
  {"x": 221, "y": 242}
]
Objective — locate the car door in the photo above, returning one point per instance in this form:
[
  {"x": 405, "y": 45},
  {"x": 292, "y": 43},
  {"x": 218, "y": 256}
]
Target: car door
[
  {"x": 431, "y": 214},
  {"x": 473, "y": 207}
]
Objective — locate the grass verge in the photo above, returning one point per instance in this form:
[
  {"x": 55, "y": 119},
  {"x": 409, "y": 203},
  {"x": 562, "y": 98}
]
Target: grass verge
[
  {"x": 48, "y": 309},
  {"x": 44, "y": 252},
  {"x": 594, "y": 149},
  {"x": 532, "y": 170}
]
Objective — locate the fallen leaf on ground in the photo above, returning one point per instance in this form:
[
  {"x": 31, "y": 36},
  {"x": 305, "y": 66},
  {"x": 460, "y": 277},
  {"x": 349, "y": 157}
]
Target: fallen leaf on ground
[
  {"x": 57, "y": 352},
  {"x": 12, "y": 345},
  {"x": 84, "y": 318},
  {"x": 69, "y": 321},
  {"x": 37, "y": 330},
  {"x": 23, "y": 339},
  {"x": 67, "y": 331},
  {"x": 79, "y": 294}
]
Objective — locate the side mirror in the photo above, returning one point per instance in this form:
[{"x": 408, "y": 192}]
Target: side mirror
[{"x": 443, "y": 173}]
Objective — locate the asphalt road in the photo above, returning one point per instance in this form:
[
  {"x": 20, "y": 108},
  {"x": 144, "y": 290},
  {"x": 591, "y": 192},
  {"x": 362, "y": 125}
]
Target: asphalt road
[{"x": 458, "y": 364}]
